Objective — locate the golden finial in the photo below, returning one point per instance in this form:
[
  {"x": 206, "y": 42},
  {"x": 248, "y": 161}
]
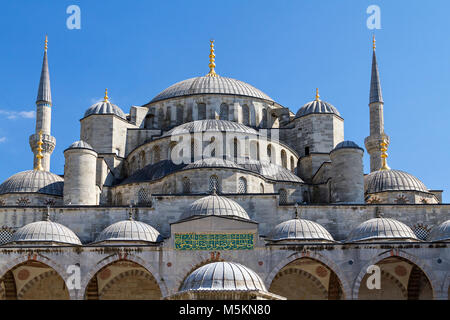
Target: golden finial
[
  {"x": 373, "y": 42},
  {"x": 384, "y": 155},
  {"x": 46, "y": 43},
  {"x": 212, "y": 65},
  {"x": 39, "y": 155},
  {"x": 317, "y": 94},
  {"x": 106, "y": 98}
]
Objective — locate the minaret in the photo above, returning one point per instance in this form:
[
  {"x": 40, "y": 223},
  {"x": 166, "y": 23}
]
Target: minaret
[
  {"x": 43, "y": 118},
  {"x": 377, "y": 135}
]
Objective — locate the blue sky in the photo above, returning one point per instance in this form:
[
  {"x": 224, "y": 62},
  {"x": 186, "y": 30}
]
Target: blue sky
[{"x": 285, "y": 48}]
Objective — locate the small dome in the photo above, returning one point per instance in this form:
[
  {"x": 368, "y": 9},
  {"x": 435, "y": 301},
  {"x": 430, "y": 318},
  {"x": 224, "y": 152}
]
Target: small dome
[
  {"x": 382, "y": 229},
  {"x": 392, "y": 180},
  {"x": 215, "y": 205},
  {"x": 45, "y": 231},
  {"x": 317, "y": 106},
  {"x": 300, "y": 229},
  {"x": 33, "y": 181},
  {"x": 105, "y": 107},
  {"x": 129, "y": 230},
  {"x": 347, "y": 144},
  {"x": 223, "y": 276},
  {"x": 209, "y": 126},
  {"x": 210, "y": 85},
  {"x": 213, "y": 163},
  {"x": 440, "y": 232},
  {"x": 80, "y": 144}
]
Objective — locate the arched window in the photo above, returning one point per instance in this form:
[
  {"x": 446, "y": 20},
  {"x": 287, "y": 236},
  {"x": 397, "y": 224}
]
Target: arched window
[
  {"x": 150, "y": 121},
  {"x": 156, "y": 152},
  {"x": 119, "y": 198},
  {"x": 261, "y": 188},
  {"x": 213, "y": 146},
  {"x": 235, "y": 149},
  {"x": 264, "y": 118},
  {"x": 269, "y": 152},
  {"x": 214, "y": 183},
  {"x": 168, "y": 116},
  {"x": 143, "y": 197},
  {"x": 179, "y": 114},
  {"x": 242, "y": 187},
  {"x": 186, "y": 185},
  {"x": 292, "y": 164},
  {"x": 201, "y": 107},
  {"x": 283, "y": 196},
  {"x": 142, "y": 159},
  {"x": 223, "y": 112},
  {"x": 245, "y": 115},
  {"x": 283, "y": 159}
]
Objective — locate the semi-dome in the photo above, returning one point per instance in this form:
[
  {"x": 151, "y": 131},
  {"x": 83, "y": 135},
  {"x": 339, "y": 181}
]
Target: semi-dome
[
  {"x": 213, "y": 162},
  {"x": 153, "y": 172},
  {"x": 129, "y": 230},
  {"x": 392, "y": 180},
  {"x": 209, "y": 126},
  {"x": 382, "y": 229},
  {"x": 210, "y": 85},
  {"x": 33, "y": 181},
  {"x": 300, "y": 229},
  {"x": 105, "y": 107},
  {"x": 317, "y": 106},
  {"x": 347, "y": 144},
  {"x": 223, "y": 276},
  {"x": 271, "y": 171},
  {"x": 215, "y": 205},
  {"x": 80, "y": 144},
  {"x": 45, "y": 231},
  {"x": 440, "y": 232}
]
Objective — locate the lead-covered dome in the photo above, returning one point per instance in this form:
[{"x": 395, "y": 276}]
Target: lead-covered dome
[
  {"x": 392, "y": 180},
  {"x": 45, "y": 232},
  {"x": 33, "y": 181},
  {"x": 210, "y": 85},
  {"x": 317, "y": 106},
  {"x": 129, "y": 230},
  {"x": 80, "y": 144},
  {"x": 215, "y": 205},
  {"x": 210, "y": 125},
  {"x": 347, "y": 144},
  {"x": 223, "y": 276},
  {"x": 440, "y": 232},
  {"x": 382, "y": 229},
  {"x": 105, "y": 107},
  {"x": 212, "y": 162},
  {"x": 300, "y": 229}
]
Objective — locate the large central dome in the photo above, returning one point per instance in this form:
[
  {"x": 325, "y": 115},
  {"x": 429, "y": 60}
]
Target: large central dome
[{"x": 211, "y": 85}]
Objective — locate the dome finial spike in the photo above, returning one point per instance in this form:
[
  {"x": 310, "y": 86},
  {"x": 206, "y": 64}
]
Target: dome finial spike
[
  {"x": 130, "y": 212},
  {"x": 106, "y": 98},
  {"x": 47, "y": 214},
  {"x": 212, "y": 56},
  {"x": 378, "y": 213},
  {"x": 297, "y": 211},
  {"x": 384, "y": 155},
  {"x": 214, "y": 190},
  {"x": 373, "y": 42},
  {"x": 46, "y": 43},
  {"x": 39, "y": 155},
  {"x": 317, "y": 94}
]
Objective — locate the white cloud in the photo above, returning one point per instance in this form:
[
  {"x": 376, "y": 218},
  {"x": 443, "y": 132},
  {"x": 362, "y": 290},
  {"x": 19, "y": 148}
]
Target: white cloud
[
  {"x": 2, "y": 139},
  {"x": 18, "y": 114}
]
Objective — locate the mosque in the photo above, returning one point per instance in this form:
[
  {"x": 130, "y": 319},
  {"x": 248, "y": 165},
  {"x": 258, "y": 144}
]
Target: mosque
[{"x": 213, "y": 190}]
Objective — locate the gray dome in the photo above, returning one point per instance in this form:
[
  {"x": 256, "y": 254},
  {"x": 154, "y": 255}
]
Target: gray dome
[
  {"x": 45, "y": 231},
  {"x": 33, "y": 181},
  {"x": 300, "y": 229},
  {"x": 223, "y": 276},
  {"x": 347, "y": 144},
  {"x": 392, "y": 180},
  {"x": 381, "y": 229},
  {"x": 317, "y": 106},
  {"x": 210, "y": 125},
  {"x": 129, "y": 230},
  {"x": 213, "y": 163},
  {"x": 80, "y": 144},
  {"x": 105, "y": 107},
  {"x": 440, "y": 232},
  {"x": 215, "y": 205},
  {"x": 210, "y": 85},
  {"x": 153, "y": 172},
  {"x": 271, "y": 171}
]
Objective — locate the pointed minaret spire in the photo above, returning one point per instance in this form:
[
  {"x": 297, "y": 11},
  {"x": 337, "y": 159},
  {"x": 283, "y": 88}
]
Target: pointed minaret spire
[
  {"x": 375, "y": 86},
  {"x": 41, "y": 142},
  {"x": 44, "y": 93},
  {"x": 376, "y": 105}
]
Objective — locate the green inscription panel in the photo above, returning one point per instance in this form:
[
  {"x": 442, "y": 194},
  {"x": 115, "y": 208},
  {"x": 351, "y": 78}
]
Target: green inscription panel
[{"x": 193, "y": 241}]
